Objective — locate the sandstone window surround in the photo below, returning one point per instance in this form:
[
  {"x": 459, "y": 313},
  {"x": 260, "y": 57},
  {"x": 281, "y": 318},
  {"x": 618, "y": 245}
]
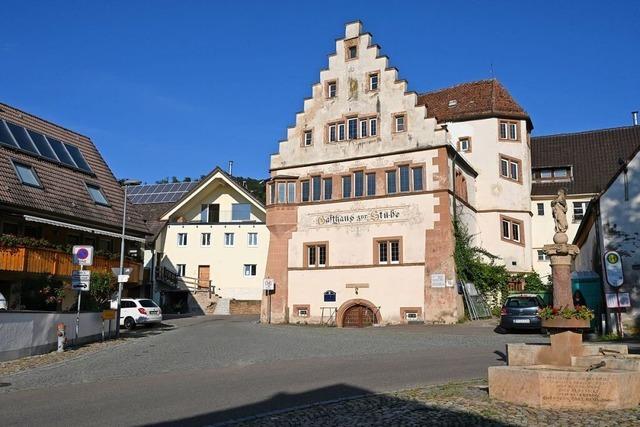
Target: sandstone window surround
[
  {"x": 387, "y": 250},
  {"x": 331, "y": 89},
  {"x": 461, "y": 186},
  {"x": 301, "y": 310},
  {"x": 511, "y": 230},
  {"x": 464, "y": 144},
  {"x": 404, "y": 178},
  {"x": 508, "y": 130},
  {"x": 352, "y": 128},
  {"x": 316, "y": 254},
  {"x": 510, "y": 168},
  {"x": 351, "y": 49},
  {"x": 399, "y": 122},
  {"x": 373, "y": 81},
  {"x": 307, "y": 138}
]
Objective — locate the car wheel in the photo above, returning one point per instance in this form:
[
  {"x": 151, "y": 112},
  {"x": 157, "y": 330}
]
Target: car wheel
[{"x": 129, "y": 323}]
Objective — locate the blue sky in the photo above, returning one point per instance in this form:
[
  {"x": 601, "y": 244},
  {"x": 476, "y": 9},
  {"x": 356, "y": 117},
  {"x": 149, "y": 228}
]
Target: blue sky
[{"x": 170, "y": 88}]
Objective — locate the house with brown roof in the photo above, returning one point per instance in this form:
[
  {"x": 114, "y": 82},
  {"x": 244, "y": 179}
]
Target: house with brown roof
[
  {"x": 56, "y": 191},
  {"x": 583, "y": 164}
]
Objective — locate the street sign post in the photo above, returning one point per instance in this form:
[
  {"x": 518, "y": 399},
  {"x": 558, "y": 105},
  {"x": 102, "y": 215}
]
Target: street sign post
[
  {"x": 80, "y": 280},
  {"x": 615, "y": 279},
  {"x": 269, "y": 285},
  {"x": 82, "y": 255}
]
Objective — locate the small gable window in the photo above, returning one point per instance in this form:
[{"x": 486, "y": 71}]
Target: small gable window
[
  {"x": 27, "y": 175},
  {"x": 308, "y": 138},
  {"x": 332, "y": 89},
  {"x": 97, "y": 195},
  {"x": 352, "y": 52},
  {"x": 400, "y": 122},
  {"x": 373, "y": 81}
]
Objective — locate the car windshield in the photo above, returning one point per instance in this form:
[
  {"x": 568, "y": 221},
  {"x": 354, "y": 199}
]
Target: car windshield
[
  {"x": 522, "y": 302},
  {"x": 147, "y": 303}
]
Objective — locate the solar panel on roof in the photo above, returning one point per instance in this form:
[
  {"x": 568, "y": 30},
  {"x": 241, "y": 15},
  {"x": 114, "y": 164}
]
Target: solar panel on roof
[
  {"x": 61, "y": 152},
  {"x": 22, "y": 138},
  {"x": 5, "y": 135},
  {"x": 160, "y": 193},
  {"x": 43, "y": 146}
]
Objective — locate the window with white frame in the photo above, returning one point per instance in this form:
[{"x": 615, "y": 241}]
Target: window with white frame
[
  {"x": 388, "y": 251},
  {"x": 352, "y": 128},
  {"x": 291, "y": 192},
  {"x": 371, "y": 184},
  {"x": 373, "y": 126},
  {"x": 411, "y": 315},
  {"x": 373, "y": 81},
  {"x": 182, "y": 239},
  {"x": 511, "y": 230},
  {"x": 508, "y": 130},
  {"x": 510, "y": 168},
  {"x": 305, "y": 190},
  {"x": 346, "y": 186},
  {"x": 464, "y": 144},
  {"x": 308, "y": 138},
  {"x": 364, "y": 128},
  {"x": 404, "y": 179},
  {"x": 418, "y": 184},
  {"x": 579, "y": 209},
  {"x": 341, "y": 135},
  {"x": 316, "y": 255},
  {"x": 205, "y": 239},
  {"x": 542, "y": 255},
  {"x": 303, "y": 312},
  {"x": 250, "y": 270},
  {"x": 332, "y": 89},
  {"x": 316, "y": 187},
  {"x": 282, "y": 192},
  {"x": 181, "y": 269},
  {"x": 399, "y": 122},
  {"x": 229, "y": 239},
  {"x": 252, "y": 239},
  {"x": 328, "y": 188},
  {"x": 333, "y": 136}
]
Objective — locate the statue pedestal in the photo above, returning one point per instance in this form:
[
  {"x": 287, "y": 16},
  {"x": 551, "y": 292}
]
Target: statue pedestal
[{"x": 561, "y": 255}]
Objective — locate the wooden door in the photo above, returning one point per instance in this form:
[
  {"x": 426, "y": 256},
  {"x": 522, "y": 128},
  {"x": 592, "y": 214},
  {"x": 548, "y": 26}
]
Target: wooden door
[
  {"x": 203, "y": 276},
  {"x": 358, "y": 316}
]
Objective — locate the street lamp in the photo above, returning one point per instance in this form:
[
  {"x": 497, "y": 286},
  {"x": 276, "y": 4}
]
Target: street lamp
[{"x": 125, "y": 183}]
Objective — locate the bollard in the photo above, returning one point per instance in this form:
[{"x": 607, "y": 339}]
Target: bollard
[{"x": 61, "y": 337}]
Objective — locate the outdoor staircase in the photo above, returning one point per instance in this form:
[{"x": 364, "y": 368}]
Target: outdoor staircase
[{"x": 222, "y": 307}]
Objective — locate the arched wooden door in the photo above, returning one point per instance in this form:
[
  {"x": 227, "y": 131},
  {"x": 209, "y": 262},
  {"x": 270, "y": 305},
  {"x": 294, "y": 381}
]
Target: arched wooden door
[{"x": 358, "y": 316}]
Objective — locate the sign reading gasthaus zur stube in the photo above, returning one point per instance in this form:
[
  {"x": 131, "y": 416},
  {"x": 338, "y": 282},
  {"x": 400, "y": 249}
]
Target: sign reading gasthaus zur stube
[
  {"x": 613, "y": 269},
  {"x": 360, "y": 216}
]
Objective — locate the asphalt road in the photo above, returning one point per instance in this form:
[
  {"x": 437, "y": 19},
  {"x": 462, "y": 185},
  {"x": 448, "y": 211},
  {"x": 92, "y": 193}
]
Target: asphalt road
[{"x": 207, "y": 370}]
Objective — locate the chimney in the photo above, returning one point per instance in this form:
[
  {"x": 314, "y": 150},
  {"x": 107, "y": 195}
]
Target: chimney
[
  {"x": 230, "y": 167},
  {"x": 634, "y": 116}
]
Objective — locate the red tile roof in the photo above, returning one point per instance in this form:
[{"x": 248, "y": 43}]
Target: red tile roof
[
  {"x": 480, "y": 99},
  {"x": 64, "y": 196}
]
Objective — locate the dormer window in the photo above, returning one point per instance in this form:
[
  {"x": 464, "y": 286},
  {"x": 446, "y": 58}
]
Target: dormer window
[
  {"x": 308, "y": 138},
  {"x": 562, "y": 173},
  {"x": 332, "y": 89},
  {"x": 453, "y": 103}
]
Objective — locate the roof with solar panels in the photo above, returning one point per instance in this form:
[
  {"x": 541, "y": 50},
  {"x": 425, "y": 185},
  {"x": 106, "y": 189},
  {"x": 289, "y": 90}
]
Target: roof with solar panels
[{"x": 58, "y": 174}]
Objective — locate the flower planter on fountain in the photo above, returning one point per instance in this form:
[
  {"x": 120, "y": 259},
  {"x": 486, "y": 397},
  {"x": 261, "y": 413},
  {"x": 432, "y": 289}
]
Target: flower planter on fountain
[{"x": 562, "y": 323}]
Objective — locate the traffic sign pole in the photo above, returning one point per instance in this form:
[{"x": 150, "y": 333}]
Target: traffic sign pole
[{"x": 78, "y": 313}]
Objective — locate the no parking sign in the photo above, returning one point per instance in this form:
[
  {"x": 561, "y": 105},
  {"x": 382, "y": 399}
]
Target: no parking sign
[{"x": 83, "y": 255}]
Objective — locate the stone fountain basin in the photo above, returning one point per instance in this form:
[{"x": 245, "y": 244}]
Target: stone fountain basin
[
  {"x": 625, "y": 362},
  {"x": 565, "y": 387}
]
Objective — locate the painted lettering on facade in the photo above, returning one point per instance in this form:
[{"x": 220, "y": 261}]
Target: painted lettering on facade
[{"x": 360, "y": 217}]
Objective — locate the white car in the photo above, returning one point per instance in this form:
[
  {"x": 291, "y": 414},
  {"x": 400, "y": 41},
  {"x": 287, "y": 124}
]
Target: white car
[
  {"x": 137, "y": 311},
  {"x": 3, "y": 302}
]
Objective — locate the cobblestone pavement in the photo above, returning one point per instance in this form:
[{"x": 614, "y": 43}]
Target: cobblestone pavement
[{"x": 458, "y": 404}]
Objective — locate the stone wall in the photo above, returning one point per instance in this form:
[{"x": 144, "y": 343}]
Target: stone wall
[{"x": 244, "y": 306}]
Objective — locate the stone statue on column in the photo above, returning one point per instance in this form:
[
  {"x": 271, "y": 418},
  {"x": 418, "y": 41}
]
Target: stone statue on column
[{"x": 559, "y": 209}]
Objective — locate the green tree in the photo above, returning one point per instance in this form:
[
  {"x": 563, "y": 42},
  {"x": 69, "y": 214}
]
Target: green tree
[
  {"x": 174, "y": 179},
  {"x": 102, "y": 287}
]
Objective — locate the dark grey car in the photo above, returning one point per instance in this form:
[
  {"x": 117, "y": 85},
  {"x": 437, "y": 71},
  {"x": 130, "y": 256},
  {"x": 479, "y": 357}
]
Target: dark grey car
[{"x": 521, "y": 312}]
